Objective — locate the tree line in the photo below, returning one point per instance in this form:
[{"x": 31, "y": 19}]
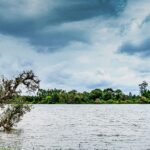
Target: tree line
[{"x": 96, "y": 96}]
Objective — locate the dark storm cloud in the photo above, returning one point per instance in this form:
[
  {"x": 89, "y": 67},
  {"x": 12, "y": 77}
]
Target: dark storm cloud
[
  {"x": 65, "y": 12},
  {"x": 85, "y": 9},
  {"x": 143, "y": 48},
  {"x": 101, "y": 84},
  {"x": 147, "y": 19}
]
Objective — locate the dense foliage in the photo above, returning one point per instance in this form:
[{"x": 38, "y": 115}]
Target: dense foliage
[{"x": 96, "y": 96}]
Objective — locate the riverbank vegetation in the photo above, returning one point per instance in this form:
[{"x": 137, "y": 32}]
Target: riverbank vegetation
[{"x": 96, "y": 96}]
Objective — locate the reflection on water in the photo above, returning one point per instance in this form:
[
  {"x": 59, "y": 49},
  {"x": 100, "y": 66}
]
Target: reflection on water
[{"x": 83, "y": 127}]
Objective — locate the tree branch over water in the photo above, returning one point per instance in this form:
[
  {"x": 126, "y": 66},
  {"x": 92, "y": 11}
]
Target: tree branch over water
[{"x": 8, "y": 90}]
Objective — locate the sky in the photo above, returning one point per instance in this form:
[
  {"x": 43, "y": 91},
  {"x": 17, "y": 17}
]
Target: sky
[{"x": 77, "y": 44}]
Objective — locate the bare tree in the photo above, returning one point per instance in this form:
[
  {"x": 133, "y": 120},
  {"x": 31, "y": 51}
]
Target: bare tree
[{"x": 9, "y": 89}]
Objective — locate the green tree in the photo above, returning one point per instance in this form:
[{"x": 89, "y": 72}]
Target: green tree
[
  {"x": 97, "y": 93},
  {"x": 118, "y": 95},
  {"x": 108, "y": 94},
  {"x": 143, "y": 87}
]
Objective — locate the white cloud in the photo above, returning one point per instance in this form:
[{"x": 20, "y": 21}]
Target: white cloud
[{"x": 82, "y": 65}]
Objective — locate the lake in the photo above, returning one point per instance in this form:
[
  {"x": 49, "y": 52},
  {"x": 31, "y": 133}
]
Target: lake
[{"x": 84, "y": 127}]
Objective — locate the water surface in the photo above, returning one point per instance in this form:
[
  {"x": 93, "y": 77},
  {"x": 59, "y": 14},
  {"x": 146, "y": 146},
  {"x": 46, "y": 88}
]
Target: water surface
[{"x": 84, "y": 127}]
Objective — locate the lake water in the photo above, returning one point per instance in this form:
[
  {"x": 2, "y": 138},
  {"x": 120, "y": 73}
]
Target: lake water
[{"x": 84, "y": 127}]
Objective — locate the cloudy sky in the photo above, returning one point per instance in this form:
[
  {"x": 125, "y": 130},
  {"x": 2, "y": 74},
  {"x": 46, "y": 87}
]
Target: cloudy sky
[{"x": 77, "y": 44}]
